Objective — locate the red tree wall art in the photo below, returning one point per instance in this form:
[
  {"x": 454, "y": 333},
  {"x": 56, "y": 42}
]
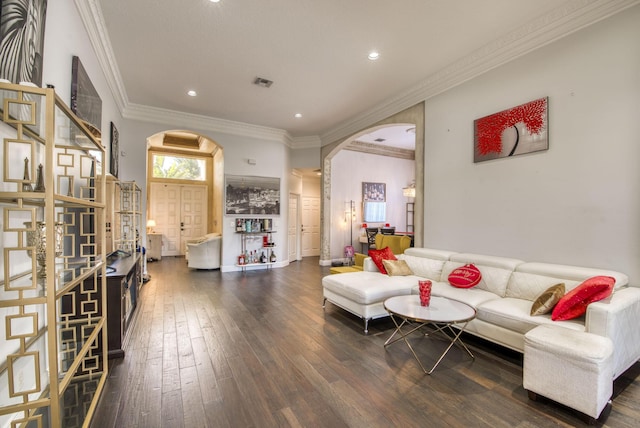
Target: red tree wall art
[{"x": 518, "y": 130}]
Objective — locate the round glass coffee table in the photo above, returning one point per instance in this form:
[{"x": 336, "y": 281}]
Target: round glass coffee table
[{"x": 442, "y": 313}]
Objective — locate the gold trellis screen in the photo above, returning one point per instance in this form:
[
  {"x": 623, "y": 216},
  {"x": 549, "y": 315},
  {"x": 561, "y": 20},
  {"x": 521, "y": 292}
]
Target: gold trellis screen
[{"x": 52, "y": 295}]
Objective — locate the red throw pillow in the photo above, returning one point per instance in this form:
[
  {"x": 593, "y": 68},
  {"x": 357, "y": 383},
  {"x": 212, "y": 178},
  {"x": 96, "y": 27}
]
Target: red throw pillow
[
  {"x": 575, "y": 302},
  {"x": 465, "y": 276},
  {"x": 379, "y": 255}
]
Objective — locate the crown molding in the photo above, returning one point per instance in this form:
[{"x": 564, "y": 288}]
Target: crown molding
[
  {"x": 541, "y": 31},
  {"x": 560, "y": 22},
  {"x": 382, "y": 150},
  {"x": 189, "y": 120},
  {"x": 93, "y": 20},
  {"x": 310, "y": 142}
]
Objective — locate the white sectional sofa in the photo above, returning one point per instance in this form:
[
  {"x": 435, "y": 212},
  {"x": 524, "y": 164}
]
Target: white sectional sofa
[{"x": 502, "y": 299}]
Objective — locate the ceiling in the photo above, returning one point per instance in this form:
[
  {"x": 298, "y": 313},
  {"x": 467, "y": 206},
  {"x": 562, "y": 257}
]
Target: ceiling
[{"x": 315, "y": 52}]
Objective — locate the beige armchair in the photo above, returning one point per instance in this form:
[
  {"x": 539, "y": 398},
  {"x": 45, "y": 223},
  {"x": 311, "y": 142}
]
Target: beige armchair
[{"x": 204, "y": 253}]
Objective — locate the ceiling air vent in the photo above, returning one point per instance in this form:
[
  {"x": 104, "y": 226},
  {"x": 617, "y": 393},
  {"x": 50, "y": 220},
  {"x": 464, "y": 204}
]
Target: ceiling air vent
[
  {"x": 261, "y": 81},
  {"x": 380, "y": 140}
]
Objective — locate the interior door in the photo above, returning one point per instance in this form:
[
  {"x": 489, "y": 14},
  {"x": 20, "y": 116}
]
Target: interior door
[
  {"x": 292, "y": 233},
  {"x": 180, "y": 212},
  {"x": 310, "y": 226},
  {"x": 193, "y": 217}
]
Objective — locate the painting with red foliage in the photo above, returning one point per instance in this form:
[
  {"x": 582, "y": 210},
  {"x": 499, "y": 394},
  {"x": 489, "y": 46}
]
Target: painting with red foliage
[{"x": 518, "y": 130}]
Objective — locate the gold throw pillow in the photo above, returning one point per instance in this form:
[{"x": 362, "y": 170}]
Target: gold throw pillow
[
  {"x": 397, "y": 267},
  {"x": 547, "y": 300}
]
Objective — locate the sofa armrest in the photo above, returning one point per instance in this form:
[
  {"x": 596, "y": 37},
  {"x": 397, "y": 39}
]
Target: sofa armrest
[{"x": 618, "y": 318}]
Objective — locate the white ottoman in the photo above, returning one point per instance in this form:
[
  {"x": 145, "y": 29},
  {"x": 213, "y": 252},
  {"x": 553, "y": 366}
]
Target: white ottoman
[{"x": 570, "y": 367}]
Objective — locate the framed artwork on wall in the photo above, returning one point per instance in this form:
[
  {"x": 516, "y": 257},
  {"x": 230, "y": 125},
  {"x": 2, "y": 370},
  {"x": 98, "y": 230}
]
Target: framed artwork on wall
[
  {"x": 374, "y": 192},
  {"x": 115, "y": 150},
  {"x": 85, "y": 101},
  {"x": 22, "y": 40},
  {"x": 251, "y": 195},
  {"x": 515, "y": 131}
]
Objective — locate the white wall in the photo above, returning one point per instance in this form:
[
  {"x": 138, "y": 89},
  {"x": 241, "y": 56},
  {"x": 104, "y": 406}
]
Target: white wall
[
  {"x": 271, "y": 161},
  {"x": 305, "y": 158},
  {"x": 577, "y": 203},
  {"x": 348, "y": 170},
  {"x": 65, "y": 37},
  {"x": 311, "y": 187}
]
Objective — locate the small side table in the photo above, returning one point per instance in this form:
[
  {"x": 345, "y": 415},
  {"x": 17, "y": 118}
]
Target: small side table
[
  {"x": 154, "y": 246},
  {"x": 442, "y": 313}
]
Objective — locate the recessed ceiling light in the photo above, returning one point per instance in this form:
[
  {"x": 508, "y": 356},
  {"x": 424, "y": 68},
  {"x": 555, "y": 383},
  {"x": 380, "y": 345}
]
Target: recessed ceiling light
[
  {"x": 373, "y": 55},
  {"x": 297, "y": 115},
  {"x": 214, "y": 1},
  {"x": 192, "y": 93}
]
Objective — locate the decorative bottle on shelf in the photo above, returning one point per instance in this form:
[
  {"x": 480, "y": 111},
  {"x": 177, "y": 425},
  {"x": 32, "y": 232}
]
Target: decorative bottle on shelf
[
  {"x": 26, "y": 183},
  {"x": 272, "y": 259},
  {"x": 263, "y": 258},
  {"x": 39, "y": 180}
]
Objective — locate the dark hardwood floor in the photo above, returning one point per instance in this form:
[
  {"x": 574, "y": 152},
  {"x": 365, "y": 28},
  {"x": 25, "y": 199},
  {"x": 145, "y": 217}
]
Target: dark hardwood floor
[{"x": 211, "y": 349}]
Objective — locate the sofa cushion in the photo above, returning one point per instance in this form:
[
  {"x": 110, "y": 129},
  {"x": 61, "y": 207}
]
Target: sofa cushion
[
  {"x": 397, "y": 267},
  {"x": 369, "y": 287},
  {"x": 471, "y": 296},
  {"x": 529, "y": 286},
  {"x": 575, "y": 302},
  {"x": 514, "y": 314},
  {"x": 429, "y": 253},
  {"x": 465, "y": 276},
  {"x": 493, "y": 279},
  {"x": 425, "y": 267},
  {"x": 383, "y": 254},
  {"x": 547, "y": 300},
  {"x": 573, "y": 273}
]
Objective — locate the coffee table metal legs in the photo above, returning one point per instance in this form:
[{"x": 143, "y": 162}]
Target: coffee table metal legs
[{"x": 440, "y": 328}]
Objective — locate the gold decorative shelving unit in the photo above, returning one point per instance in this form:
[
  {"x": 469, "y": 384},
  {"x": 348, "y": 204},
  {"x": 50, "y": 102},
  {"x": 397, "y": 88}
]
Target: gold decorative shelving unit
[
  {"x": 127, "y": 216},
  {"x": 53, "y": 351}
]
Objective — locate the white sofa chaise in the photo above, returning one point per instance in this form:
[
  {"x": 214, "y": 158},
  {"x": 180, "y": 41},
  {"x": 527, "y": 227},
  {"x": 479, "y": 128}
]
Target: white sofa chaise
[
  {"x": 502, "y": 300},
  {"x": 204, "y": 252}
]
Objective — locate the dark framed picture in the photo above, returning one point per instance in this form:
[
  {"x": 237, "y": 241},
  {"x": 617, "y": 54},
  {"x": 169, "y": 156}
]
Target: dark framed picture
[
  {"x": 115, "y": 150},
  {"x": 85, "y": 101},
  {"x": 251, "y": 195},
  {"x": 374, "y": 192},
  {"x": 22, "y": 40}
]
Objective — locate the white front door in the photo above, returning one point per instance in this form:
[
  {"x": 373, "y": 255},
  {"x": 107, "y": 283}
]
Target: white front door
[
  {"x": 292, "y": 233},
  {"x": 180, "y": 212},
  {"x": 194, "y": 212},
  {"x": 310, "y": 226}
]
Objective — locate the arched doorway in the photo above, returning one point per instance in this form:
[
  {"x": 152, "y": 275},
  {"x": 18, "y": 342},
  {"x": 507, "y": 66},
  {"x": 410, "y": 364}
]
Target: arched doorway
[
  {"x": 413, "y": 115},
  {"x": 185, "y": 187}
]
